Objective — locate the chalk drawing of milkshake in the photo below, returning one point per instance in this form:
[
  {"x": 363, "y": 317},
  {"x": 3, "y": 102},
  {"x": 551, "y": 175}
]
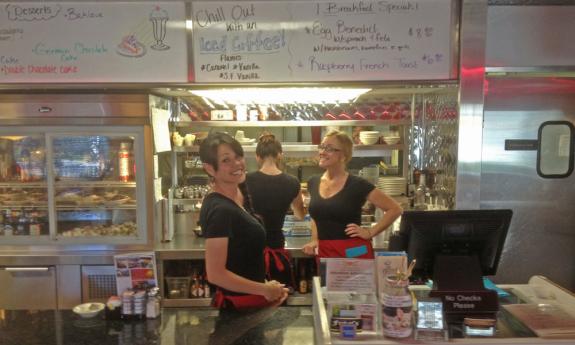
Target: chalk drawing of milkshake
[{"x": 159, "y": 18}]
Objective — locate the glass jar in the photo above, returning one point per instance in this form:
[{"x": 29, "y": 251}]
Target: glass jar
[{"x": 397, "y": 308}]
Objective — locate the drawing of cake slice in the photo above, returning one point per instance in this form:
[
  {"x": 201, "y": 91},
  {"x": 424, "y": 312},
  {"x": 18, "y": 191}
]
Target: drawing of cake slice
[{"x": 130, "y": 46}]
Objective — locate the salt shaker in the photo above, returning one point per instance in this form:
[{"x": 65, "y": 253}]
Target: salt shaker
[{"x": 153, "y": 304}]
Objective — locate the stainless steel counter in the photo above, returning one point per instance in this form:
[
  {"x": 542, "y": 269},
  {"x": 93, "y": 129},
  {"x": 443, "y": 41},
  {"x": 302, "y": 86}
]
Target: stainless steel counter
[
  {"x": 183, "y": 246},
  {"x": 189, "y": 246},
  {"x": 55, "y": 257}
]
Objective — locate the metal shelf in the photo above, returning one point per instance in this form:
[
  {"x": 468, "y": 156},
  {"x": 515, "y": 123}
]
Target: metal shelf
[
  {"x": 9, "y": 207},
  {"x": 293, "y": 123},
  {"x": 358, "y": 150},
  {"x": 23, "y": 184},
  {"x": 98, "y": 184},
  {"x": 94, "y": 207},
  {"x": 186, "y": 201}
]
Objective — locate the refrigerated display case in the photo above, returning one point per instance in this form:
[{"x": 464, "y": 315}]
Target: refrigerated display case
[
  {"x": 77, "y": 182},
  {"x": 68, "y": 186}
]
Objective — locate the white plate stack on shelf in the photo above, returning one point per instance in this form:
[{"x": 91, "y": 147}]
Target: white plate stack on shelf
[
  {"x": 392, "y": 186},
  {"x": 369, "y": 137}
]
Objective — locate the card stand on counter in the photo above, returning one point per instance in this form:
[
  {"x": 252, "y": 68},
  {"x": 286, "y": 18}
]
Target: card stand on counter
[{"x": 352, "y": 307}]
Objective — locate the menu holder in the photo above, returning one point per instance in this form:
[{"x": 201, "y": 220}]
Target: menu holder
[{"x": 546, "y": 320}]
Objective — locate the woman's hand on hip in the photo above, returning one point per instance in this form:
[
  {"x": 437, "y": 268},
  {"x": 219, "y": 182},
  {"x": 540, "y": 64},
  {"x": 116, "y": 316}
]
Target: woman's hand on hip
[{"x": 354, "y": 230}]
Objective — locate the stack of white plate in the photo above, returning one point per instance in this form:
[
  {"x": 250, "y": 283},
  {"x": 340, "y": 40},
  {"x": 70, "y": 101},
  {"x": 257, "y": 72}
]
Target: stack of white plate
[
  {"x": 369, "y": 137},
  {"x": 392, "y": 186}
]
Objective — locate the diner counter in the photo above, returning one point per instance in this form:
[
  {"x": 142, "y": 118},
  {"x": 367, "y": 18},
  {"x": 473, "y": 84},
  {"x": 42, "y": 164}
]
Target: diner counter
[
  {"x": 274, "y": 326},
  {"x": 181, "y": 247}
]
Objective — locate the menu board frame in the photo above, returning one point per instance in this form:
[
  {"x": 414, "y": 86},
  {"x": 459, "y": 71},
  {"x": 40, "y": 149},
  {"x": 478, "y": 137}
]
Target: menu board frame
[{"x": 221, "y": 23}]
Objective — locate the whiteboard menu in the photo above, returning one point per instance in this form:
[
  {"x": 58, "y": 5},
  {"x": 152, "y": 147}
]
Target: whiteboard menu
[
  {"x": 275, "y": 41},
  {"x": 92, "y": 42}
]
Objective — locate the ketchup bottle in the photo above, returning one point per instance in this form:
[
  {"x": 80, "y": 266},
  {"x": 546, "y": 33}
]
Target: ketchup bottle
[{"x": 124, "y": 166}]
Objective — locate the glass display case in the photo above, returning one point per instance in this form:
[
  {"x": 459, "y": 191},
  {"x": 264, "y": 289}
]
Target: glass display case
[{"x": 64, "y": 185}]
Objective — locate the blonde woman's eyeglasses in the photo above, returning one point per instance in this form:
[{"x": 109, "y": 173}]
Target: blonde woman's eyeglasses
[{"x": 327, "y": 148}]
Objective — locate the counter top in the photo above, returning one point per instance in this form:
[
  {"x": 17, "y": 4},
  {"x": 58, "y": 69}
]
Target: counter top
[
  {"x": 284, "y": 325},
  {"x": 181, "y": 247},
  {"x": 189, "y": 246}
]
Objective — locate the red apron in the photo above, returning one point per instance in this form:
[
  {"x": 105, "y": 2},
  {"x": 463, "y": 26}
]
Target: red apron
[
  {"x": 281, "y": 258},
  {"x": 242, "y": 302},
  {"x": 353, "y": 247}
]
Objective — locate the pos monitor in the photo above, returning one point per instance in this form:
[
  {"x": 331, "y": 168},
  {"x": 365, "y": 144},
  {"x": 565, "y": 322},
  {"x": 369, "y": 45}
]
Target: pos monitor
[{"x": 455, "y": 249}]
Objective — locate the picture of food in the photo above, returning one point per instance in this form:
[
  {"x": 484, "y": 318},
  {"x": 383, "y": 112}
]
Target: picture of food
[
  {"x": 130, "y": 47},
  {"x": 123, "y": 273},
  {"x": 145, "y": 262},
  {"x": 142, "y": 273}
]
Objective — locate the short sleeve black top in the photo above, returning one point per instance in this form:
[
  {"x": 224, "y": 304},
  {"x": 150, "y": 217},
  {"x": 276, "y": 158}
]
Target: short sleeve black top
[
  {"x": 222, "y": 217},
  {"x": 272, "y": 196},
  {"x": 332, "y": 214}
]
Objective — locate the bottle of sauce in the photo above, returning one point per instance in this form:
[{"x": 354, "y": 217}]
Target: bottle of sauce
[
  {"x": 302, "y": 283},
  {"x": 124, "y": 166}
]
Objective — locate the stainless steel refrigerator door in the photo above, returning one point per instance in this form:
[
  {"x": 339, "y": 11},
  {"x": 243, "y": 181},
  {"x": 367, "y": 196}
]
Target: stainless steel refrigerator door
[
  {"x": 28, "y": 288},
  {"x": 541, "y": 238}
]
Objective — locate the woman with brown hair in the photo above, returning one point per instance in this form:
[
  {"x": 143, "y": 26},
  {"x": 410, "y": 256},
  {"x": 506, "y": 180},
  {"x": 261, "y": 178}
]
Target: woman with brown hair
[
  {"x": 336, "y": 200},
  {"x": 235, "y": 239},
  {"x": 273, "y": 192}
]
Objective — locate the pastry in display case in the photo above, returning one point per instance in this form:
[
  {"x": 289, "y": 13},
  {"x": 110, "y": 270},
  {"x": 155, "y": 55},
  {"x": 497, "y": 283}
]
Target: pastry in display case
[{"x": 94, "y": 186}]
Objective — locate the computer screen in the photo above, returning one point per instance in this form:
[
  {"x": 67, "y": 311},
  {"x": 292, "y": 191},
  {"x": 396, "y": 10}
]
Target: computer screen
[{"x": 454, "y": 248}]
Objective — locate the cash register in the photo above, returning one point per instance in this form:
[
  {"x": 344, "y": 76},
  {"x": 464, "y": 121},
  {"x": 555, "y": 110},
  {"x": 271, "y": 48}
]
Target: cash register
[{"x": 456, "y": 249}]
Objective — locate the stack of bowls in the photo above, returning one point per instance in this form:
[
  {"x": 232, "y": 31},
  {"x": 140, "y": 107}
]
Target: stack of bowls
[
  {"x": 369, "y": 137},
  {"x": 391, "y": 138}
]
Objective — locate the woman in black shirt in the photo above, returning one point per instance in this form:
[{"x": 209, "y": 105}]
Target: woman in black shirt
[
  {"x": 336, "y": 200},
  {"x": 272, "y": 193},
  {"x": 235, "y": 240}
]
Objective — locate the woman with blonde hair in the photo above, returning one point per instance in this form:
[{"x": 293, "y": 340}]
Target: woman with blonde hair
[{"x": 336, "y": 200}]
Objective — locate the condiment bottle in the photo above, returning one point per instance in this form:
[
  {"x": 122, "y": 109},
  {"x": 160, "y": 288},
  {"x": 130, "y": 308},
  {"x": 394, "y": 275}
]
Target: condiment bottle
[
  {"x": 124, "y": 162},
  {"x": 302, "y": 284}
]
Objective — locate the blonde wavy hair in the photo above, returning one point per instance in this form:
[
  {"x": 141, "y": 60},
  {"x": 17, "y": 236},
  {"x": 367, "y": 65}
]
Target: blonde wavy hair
[{"x": 345, "y": 142}]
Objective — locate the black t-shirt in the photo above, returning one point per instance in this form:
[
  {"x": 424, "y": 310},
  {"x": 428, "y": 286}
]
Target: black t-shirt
[
  {"x": 222, "y": 217},
  {"x": 332, "y": 215},
  {"x": 272, "y": 196}
]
